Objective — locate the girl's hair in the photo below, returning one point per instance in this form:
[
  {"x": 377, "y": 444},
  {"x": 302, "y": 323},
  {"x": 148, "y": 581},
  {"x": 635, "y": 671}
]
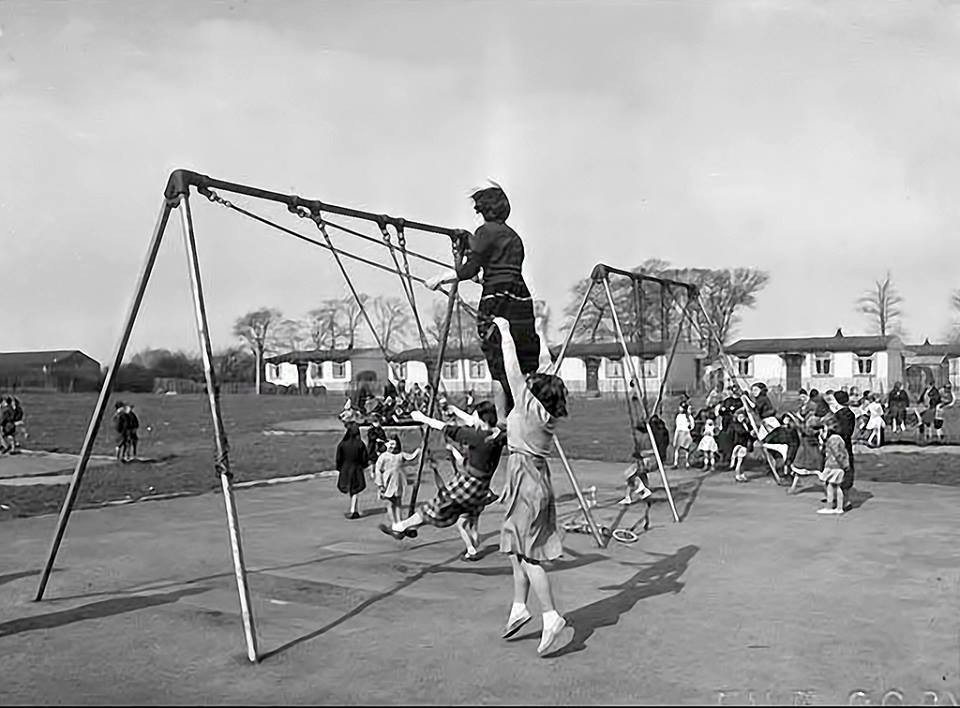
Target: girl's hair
[
  {"x": 487, "y": 412},
  {"x": 491, "y": 203},
  {"x": 353, "y": 431},
  {"x": 396, "y": 439},
  {"x": 551, "y": 392}
]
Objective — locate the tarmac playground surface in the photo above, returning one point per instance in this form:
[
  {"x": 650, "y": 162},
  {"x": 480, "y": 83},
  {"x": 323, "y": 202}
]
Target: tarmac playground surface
[{"x": 752, "y": 599}]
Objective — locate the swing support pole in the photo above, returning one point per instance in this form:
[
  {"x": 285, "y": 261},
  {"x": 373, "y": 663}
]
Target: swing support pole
[
  {"x": 633, "y": 374},
  {"x": 108, "y": 383}
]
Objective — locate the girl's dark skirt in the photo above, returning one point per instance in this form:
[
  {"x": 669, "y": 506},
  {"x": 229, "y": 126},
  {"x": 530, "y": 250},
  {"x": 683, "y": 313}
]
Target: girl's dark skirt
[
  {"x": 465, "y": 495},
  {"x": 513, "y": 302}
]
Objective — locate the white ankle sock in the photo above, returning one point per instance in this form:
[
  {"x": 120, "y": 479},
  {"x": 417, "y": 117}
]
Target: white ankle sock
[
  {"x": 517, "y": 610},
  {"x": 550, "y": 618}
]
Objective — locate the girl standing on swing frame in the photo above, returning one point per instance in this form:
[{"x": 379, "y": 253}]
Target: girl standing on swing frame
[{"x": 497, "y": 250}]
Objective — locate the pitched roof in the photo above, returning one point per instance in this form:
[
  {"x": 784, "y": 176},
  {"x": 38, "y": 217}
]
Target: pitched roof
[
  {"x": 837, "y": 343},
  {"x": 928, "y": 349},
  {"x": 31, "y": 360},
  {"x": 450, "y": 354},
  {"x": 308, "y": 356}
]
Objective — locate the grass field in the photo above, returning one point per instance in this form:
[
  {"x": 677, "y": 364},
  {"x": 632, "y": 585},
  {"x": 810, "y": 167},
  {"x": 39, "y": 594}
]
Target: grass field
[{"x": 176, "y": 434}]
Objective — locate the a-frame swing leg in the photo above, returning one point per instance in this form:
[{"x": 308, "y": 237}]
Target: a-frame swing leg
[
  {"x": 220, "y": 435},
  {"x": 584, "y": 507},
  {"x": 636, "y": 383},
  {"x": 435, "y": 384},
  {"x": 105, "y": 392}
]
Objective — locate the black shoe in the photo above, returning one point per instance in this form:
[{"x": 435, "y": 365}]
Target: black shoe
[
  {"x": 399, "y": 535},
  {"x": 410, "y": 533},
  {"x": 352, "y": 515}
]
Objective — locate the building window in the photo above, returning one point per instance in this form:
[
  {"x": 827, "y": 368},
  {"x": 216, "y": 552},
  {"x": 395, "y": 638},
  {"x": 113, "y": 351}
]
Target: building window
[
  {"x": 651, "y": 369},
  {"x": 450, "y": 370},
  {"x": 339, "y": 370},
  {"x": 613, "y": 369},
  {"x": 745, "y": 366},
  {"x": 273, "y": 371},
  {"x": 478, "y": 369},
  {"x": 865, "y": 365},
  {"x": 313, "y": 371},
  {"x": 823, "y": 364},
  {"x": 401, "y": 370}
]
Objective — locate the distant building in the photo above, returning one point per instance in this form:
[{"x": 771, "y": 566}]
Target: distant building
[
  {"x": 931, "y": 363},
  {"x": 331, "y": 369},
  {"x": 62, "y": 370},
  {"x": 868, "y": 362}
]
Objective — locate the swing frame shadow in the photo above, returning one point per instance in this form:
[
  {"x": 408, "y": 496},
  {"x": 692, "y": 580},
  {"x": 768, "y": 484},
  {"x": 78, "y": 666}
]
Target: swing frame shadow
[{"x": 177, "y": 197}]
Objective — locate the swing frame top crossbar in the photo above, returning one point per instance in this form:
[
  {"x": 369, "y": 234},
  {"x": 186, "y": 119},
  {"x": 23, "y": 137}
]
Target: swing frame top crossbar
[
  {"x": 180, "y": 182},
  {"x": 602, "y": 270}
]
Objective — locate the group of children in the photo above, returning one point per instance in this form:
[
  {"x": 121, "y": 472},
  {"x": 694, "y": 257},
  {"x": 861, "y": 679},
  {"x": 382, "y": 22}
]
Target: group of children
[
  {"x": 816, "y": 439},
  {"x": 11, "y": 425},
  {"x": 874, "y": 417},
  {"x": 396, "y": 405},
  {"x": 126, "y": 424}
]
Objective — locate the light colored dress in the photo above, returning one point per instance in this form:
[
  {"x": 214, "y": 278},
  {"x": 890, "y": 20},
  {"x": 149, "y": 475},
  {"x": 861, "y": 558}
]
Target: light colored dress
[
  {"x": 708, "y": 442},
  {"x": 388, "y": 473},
  {"x": 682, "y": 440},
  {"x": 530, "y": 524},
  {"x": 875, "y": 410}
]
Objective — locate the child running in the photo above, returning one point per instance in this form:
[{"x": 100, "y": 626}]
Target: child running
[
  {"x": 836, "y": 462},
  {"x": 682, "y": 439},
  {"x": 497, "y": 250},
  {"x": 388, "y": 476},
  {"x": 465, "y": 496}
]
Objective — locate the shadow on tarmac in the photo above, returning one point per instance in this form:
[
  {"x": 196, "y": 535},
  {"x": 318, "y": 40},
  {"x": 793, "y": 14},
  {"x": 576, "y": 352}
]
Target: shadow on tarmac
[
  {"x": 11, "y": 577},
  {"x": 657, "y": 578},
  {"x": 95, "y": 610}
]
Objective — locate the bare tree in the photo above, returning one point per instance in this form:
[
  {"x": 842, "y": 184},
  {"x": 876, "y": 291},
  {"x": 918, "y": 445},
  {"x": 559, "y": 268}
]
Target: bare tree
[
  {"x": 351, "y": 316},
  {"x": 881, "y": 305},
  {"x": 322, "y": 325},
  {"x": 255, "y": 328},
  {"x": 290, "y": 335},
  {"x": 725, "y": 293},
  {"x": 463, "y": 327},
  {"x": 391, "y": 318},
  {"x": 954, "y": 331}
]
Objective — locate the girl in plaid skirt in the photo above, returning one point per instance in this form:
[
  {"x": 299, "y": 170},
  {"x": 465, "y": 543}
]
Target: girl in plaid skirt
[
  {"x": 464, "y": 497},
  {"x": 497, "y": 250}
]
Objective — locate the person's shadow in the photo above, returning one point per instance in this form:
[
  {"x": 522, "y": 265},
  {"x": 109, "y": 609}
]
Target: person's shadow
[{"x": 657, "y": 578}]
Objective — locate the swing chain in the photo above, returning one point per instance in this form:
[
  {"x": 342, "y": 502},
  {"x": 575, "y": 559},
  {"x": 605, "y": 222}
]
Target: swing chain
[{"x": 214, "y": 197}]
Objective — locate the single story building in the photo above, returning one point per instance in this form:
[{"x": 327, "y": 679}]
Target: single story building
[
  {"x": 60, "y": 369},
  {"x": 331, "y": 369},
  {"x": 587, "y": 368},
  {"x": 931, "y": 363},
  {"x": 872, "y": 363}
]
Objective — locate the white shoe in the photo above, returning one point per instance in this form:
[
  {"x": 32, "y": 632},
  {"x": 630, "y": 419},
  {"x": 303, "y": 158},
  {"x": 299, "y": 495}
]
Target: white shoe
[
  {"x": 646, "y": 494},
  {"x": 516, "y": 622},
  {"x": 827, "y": 510},
  {"x": 626, "y": 501},
  {"x": 548, "y": 640}
]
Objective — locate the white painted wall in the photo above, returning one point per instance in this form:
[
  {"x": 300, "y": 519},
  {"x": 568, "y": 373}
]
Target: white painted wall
[{"x": 771, "y": 369}]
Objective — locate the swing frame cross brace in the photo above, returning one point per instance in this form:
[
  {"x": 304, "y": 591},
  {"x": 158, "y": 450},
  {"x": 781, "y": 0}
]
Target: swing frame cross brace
[
  {"x": 180, "y": 182},
  {"x": 177, "y": 197}
]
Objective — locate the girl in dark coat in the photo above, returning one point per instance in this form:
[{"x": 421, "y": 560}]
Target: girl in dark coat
[{"x": 352, "y": 462}]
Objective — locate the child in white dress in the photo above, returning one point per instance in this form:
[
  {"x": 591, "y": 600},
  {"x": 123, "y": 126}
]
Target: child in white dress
[
  {"x": 388, "y": 477},
  {"x": 682, "y": 440},
  {"x": 708, "y": 444}
]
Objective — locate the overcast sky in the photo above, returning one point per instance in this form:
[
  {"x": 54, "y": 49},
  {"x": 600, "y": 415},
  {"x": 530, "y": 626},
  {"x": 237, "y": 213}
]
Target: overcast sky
[{"x": 817, "y": 141}]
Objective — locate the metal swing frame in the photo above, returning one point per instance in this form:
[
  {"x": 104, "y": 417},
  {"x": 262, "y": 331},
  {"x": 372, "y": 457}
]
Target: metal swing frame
[{"x": 177, "y": 197}]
